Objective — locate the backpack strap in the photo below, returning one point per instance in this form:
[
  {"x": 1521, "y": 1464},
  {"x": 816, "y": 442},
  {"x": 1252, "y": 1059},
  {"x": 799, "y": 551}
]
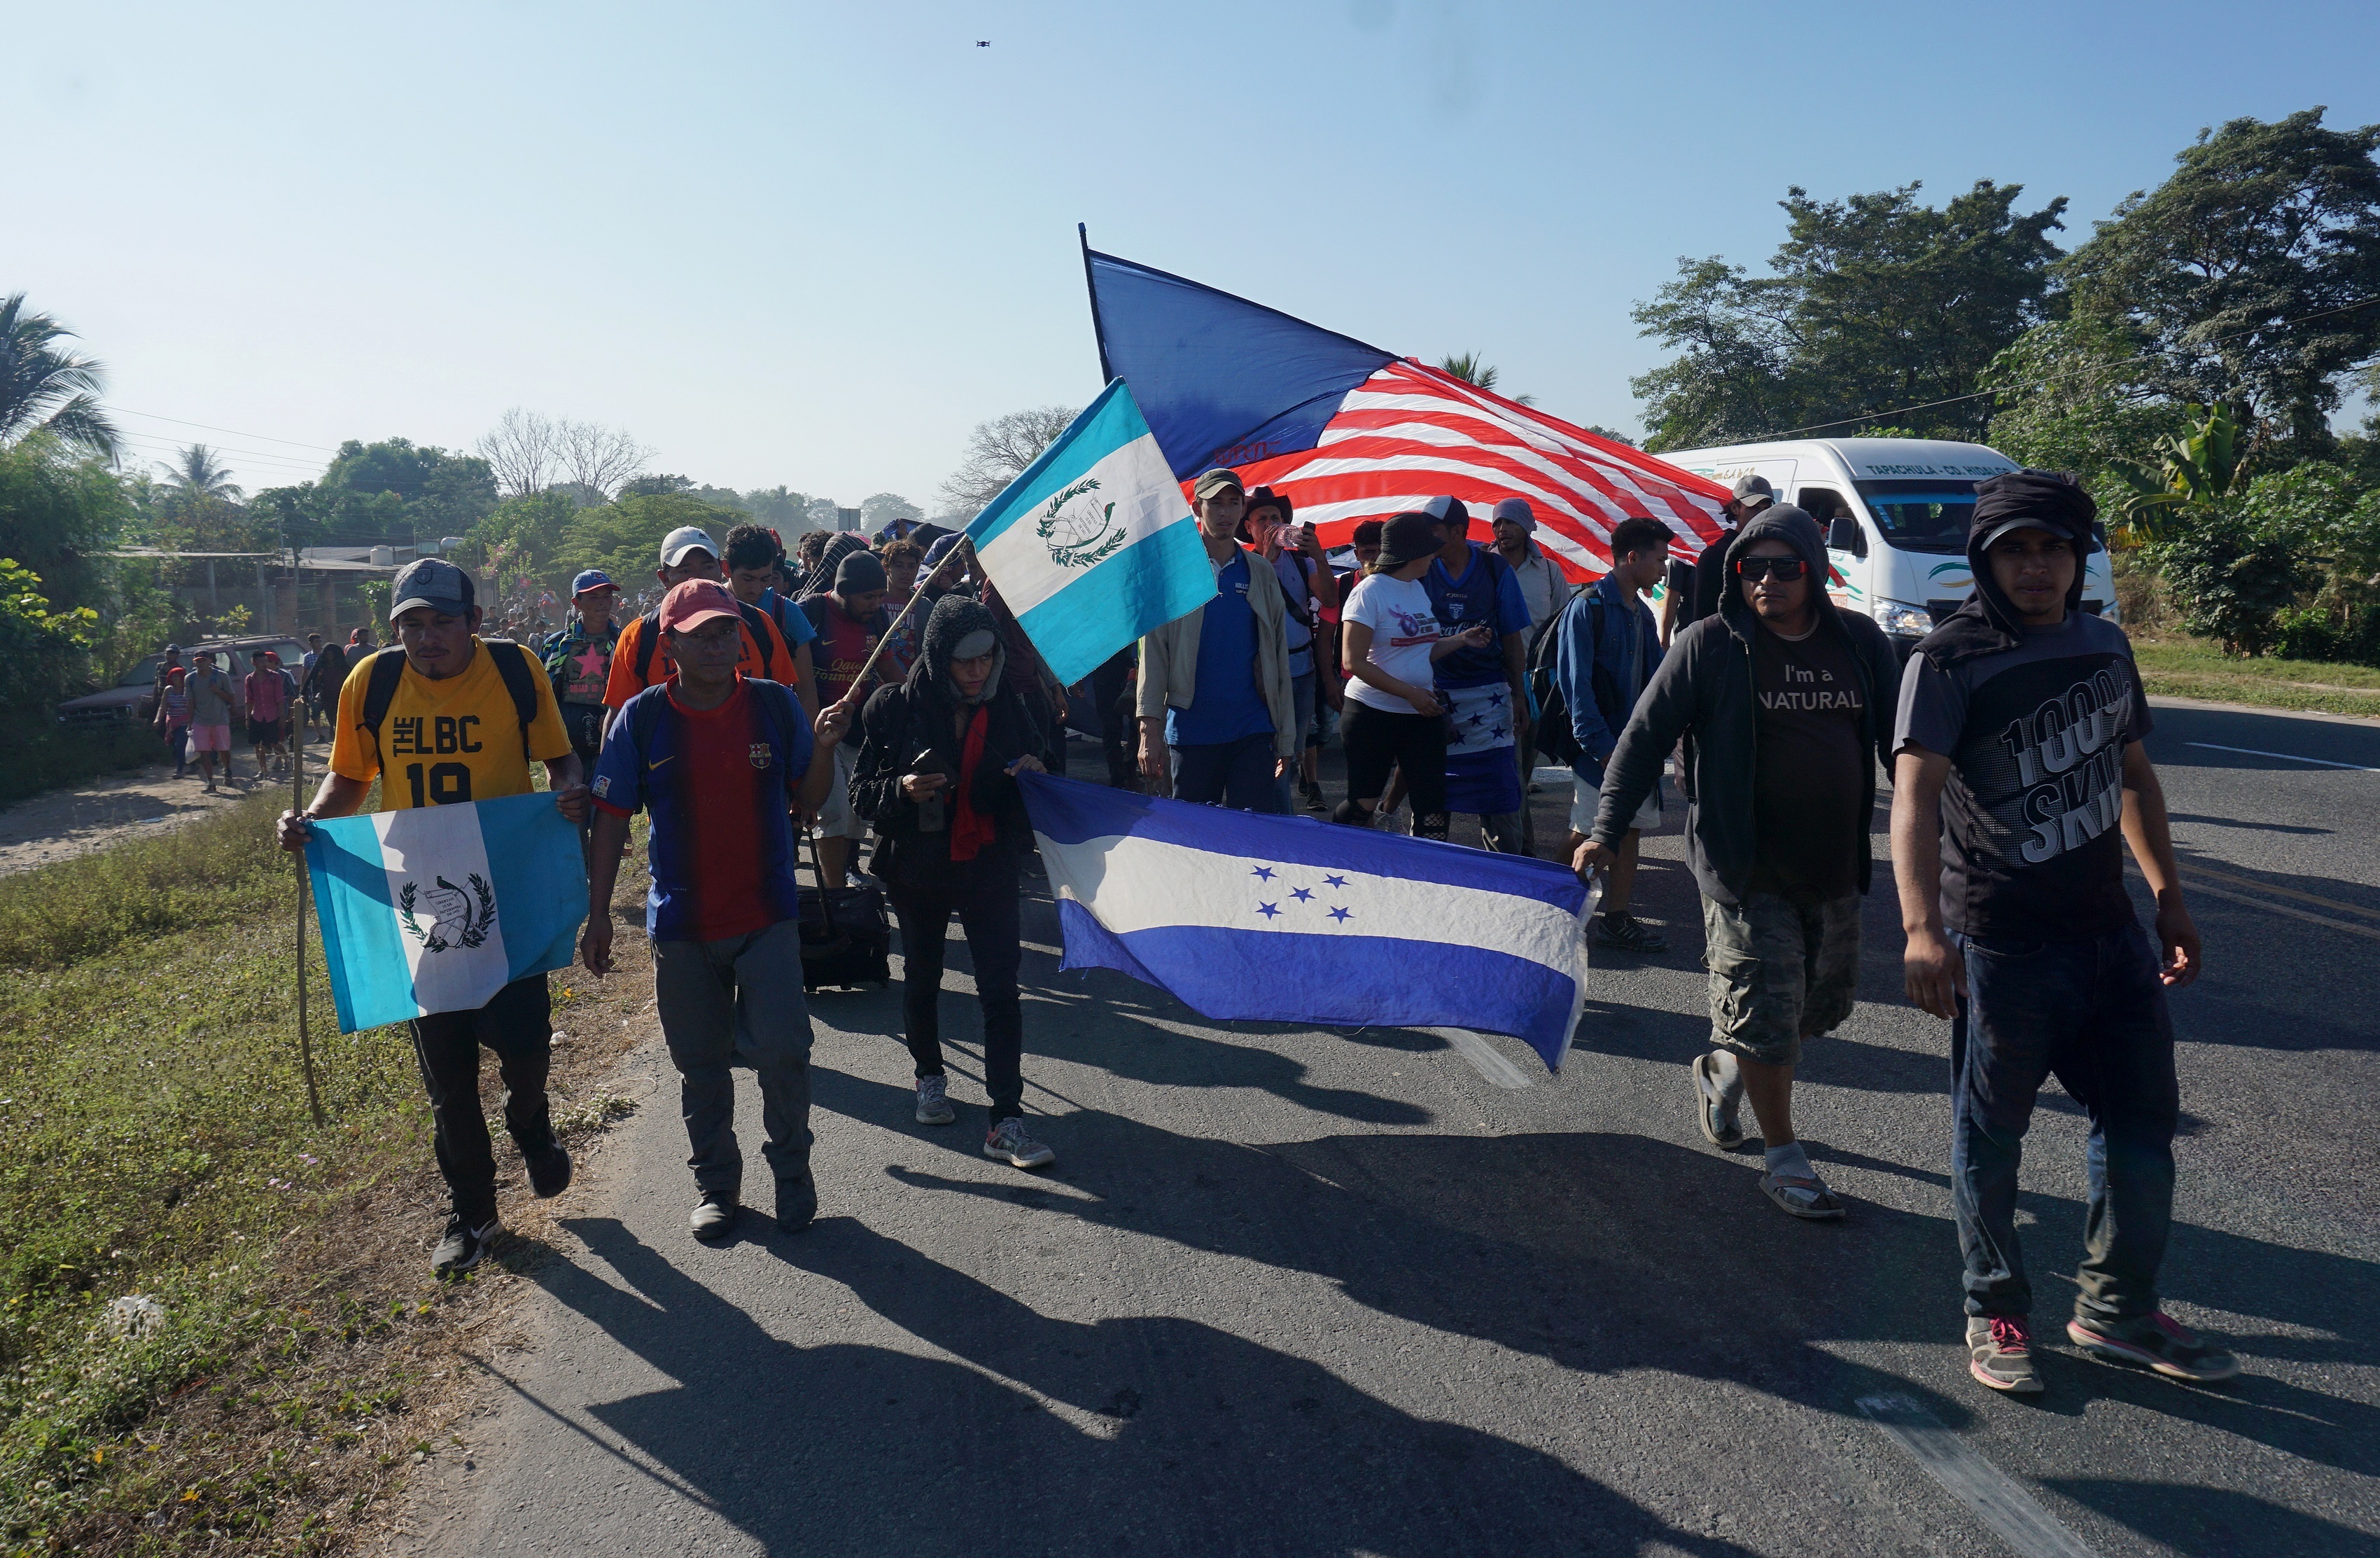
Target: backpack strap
[
  {"x": 814, "y": 608},
  {"x": 649, "y": 631},
  {"x": 387, "y": 668},
  {"x": 519, "y": 669},
  {"x": 755, "y": 622}
]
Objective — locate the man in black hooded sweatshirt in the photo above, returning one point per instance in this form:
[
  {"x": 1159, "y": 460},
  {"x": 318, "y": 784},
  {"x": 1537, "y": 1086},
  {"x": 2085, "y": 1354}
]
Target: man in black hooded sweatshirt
[
  {"x": 1782, "y": 698},
  {"x": 2019, "y": 727},
  {"x": 937, "y": 775}
]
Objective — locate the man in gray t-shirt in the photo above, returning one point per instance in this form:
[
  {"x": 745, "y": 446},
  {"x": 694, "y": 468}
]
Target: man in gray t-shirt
[{"x": 213, "y": 702}]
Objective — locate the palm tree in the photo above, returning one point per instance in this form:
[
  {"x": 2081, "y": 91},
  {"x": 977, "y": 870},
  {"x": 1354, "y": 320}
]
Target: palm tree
[
  {"x": 44, "y": 389},
  {"x": 1468, "y": 367},
  {"x": 196, "y": 474}
]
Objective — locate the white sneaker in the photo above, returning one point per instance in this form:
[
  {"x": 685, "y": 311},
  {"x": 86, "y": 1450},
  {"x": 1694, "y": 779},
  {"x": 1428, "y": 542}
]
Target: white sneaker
[
  {"x": 1007, "y": 1139},
  {"x": 934, "y": 1102}
]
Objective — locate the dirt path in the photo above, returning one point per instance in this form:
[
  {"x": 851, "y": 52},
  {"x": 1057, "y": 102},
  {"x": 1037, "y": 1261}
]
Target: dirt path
[{"x": 62, "y": 824}]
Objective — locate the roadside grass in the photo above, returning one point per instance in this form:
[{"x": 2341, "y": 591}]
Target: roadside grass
[
  {"x": 45, "y": 759},
  {"x": 214, "y": 1316},
  {"x": 2175, "y": 665}
]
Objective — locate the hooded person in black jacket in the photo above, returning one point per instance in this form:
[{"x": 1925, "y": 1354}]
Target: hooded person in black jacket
[
  {"x": 937, "y": 775},
  {"x": 1784, "y": 700}
]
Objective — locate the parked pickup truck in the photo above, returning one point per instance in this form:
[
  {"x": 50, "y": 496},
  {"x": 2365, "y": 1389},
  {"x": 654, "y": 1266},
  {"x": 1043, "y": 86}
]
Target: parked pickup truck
[{"x": 132, "y": 699}]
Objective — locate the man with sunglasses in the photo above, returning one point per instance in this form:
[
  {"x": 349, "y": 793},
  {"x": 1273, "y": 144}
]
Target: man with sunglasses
[{"x": 1786, "y": 701}]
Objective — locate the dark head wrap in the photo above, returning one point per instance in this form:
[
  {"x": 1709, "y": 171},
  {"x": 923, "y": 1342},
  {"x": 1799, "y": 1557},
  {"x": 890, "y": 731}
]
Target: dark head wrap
[
  {"x": 954, "y": 620},
  {"x": 1987, "y": 621},
  {"x": 859, "y": 573},
  {"x": 839, "y": 546}
]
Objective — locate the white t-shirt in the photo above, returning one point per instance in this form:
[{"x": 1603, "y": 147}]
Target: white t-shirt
[{"x": 1404, "y": 626}]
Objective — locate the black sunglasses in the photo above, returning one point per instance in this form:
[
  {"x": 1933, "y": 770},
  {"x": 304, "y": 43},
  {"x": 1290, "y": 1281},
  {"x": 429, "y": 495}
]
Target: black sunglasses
[{"x": 1758, "y": 568}]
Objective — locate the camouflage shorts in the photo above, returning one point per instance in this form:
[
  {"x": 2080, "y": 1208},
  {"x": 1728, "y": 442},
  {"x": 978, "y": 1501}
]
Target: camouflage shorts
[{"x": 1779, "y": 971}]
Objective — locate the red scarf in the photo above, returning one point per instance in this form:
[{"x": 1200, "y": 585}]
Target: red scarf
[{"x": 971, "y": 830}]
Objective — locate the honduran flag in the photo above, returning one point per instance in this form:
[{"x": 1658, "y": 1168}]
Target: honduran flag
[
  {"x": 1288, "y": 920},
  {"x": 437, "y": 908}
]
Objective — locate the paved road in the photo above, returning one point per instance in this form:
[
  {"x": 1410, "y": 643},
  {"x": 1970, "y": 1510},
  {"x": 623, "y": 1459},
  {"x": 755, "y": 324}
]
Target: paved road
[{"x": 1298, "y": 1292}]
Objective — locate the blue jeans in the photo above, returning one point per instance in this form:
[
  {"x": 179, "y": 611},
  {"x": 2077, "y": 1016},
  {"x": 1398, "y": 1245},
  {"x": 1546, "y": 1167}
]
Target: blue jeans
[
  {"x": 1233, "y": 773},
  {"x": 1301, "y": 699},
  {"x": 2093, "y": 1014}
]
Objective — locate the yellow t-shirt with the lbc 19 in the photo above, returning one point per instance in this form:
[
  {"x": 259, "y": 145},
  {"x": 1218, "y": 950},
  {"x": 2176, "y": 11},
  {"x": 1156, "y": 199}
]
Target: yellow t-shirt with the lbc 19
[{"x": 444, "y": 742}]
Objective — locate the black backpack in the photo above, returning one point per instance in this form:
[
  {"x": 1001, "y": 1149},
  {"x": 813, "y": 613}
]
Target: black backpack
[
  {"x": 513, "y": 662},
  {"x": 1555, "y": 738}
]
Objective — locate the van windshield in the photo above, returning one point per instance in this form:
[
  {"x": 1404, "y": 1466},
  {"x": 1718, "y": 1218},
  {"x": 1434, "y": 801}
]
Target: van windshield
[{"x": 1928, "y": 515}]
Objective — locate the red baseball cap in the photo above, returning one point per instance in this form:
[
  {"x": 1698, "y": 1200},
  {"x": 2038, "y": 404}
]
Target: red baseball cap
[{"x": 695, "y": 602}]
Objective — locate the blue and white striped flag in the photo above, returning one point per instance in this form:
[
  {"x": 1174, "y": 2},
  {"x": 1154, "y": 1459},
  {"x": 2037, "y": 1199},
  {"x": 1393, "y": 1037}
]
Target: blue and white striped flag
[
  {"x": 1288, "y": 920},
  {"x": 1094, "y": 544},
  {"x": 437, "y": 908}
]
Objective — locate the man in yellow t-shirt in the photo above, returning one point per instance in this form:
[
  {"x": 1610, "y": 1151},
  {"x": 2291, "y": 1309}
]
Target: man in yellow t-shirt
[{"x": 452, "y": 732}]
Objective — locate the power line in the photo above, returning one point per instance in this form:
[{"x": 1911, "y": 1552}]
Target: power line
[
  {"x": 284, "y": 461},
  {"x": 236, "y": 433},
  {"x": 2142, "y": 356}
]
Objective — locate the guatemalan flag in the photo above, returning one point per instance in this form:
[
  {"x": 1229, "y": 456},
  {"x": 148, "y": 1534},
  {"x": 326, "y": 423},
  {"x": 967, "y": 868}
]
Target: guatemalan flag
[
  {"x": 1288, "y": 920},
  {"x": 437, "y": 908},
  {"x": 1094, "y": 544}
]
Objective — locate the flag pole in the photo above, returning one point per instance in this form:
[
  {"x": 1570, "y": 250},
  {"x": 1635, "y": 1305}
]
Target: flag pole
[
  {"x": 305, "y": 1039},
  {"x": 915, "y": 595}
]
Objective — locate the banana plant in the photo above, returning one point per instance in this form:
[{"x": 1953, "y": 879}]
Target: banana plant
[{"x": 2211, "y": 462}]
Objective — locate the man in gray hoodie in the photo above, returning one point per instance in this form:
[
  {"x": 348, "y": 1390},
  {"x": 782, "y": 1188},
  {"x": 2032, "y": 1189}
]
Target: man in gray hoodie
[{"x": 1785, "y": 703}]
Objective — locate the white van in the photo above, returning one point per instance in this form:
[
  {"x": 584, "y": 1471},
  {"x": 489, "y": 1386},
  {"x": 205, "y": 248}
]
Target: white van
[{"x": 1895, "y": 513}]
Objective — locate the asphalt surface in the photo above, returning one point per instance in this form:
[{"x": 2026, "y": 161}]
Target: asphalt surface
[{"x": 1300, "y": 1292}]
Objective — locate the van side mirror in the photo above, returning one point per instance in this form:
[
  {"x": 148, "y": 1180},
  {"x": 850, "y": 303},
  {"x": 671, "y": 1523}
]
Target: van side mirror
[{"x": 1843, "y": 535}]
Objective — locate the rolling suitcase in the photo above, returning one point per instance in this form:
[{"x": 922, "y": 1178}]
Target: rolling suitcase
[{"x": 846, "y": 935}]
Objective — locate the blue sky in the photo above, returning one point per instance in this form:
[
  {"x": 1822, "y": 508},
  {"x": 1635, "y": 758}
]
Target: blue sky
[{"x": 815, "y": 244}]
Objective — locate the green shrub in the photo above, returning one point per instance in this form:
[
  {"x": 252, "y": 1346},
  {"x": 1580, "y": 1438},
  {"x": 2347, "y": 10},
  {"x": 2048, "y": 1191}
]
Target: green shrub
[{"x": 2230, "y": 583}]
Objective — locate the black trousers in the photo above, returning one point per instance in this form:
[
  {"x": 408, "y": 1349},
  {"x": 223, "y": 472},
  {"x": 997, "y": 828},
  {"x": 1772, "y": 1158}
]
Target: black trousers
[
  {"x": 1378, "y": 740},
  {"x": 1119, "y": 732},
  {"x": 517, "y": 1026},
  {"x": 984, "y": 894}
]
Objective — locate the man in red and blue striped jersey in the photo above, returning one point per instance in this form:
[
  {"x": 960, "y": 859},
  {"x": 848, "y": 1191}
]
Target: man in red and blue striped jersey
[{"x": 716, "y": 758}]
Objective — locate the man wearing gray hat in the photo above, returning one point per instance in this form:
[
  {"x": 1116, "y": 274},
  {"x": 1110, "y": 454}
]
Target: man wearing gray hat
[
  {"x": 1543, "y": 586},
  {"x": 448, "y": 718},
  {"x": 1215, "y": 685}
]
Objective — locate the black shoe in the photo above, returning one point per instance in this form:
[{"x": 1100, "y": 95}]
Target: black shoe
[
  {"x": 1628, "y": 933},
  {"x": 714, "y": 1215},
  {"x": 464, "y": 1245},
  {"x": 796, "y": 1203},
  {"x": 549, "y": 1171},
  {"x": 1313, "y": 797}
]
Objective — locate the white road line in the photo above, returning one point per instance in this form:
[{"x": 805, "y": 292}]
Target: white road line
[
  {"x": 1483, "y": 1057},
  {"x": 2284, "y": 757},
  {"x": 2197, "y": 885},
  {"x": 1994, "y": 1497}
]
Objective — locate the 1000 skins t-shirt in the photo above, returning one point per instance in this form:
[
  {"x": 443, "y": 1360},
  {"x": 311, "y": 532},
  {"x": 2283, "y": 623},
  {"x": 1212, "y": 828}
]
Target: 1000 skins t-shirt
[{"x": 1226, "y": 705}]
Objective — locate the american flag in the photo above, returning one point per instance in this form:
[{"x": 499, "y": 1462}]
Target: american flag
[
  {"x": 1351, "y": 431},
  {"x": 1411, "y": 432}
]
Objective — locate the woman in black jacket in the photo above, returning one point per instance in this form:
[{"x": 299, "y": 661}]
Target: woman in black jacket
[{"x": 937, "y": 772}]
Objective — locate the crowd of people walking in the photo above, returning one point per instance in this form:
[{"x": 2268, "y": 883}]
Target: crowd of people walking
[{"x": 881, "y": 689}]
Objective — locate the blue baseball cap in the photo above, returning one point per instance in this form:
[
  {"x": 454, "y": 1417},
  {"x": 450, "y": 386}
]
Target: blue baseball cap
[{"x": 593, "y": 579}]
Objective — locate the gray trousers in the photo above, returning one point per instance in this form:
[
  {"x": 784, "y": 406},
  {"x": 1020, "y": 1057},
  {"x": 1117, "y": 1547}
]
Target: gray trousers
[{"x": 725, "y": 1001}]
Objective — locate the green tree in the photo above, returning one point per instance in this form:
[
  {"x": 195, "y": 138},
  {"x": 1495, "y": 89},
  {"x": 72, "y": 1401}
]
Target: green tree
[
  {"x": 880, "y": 509},
  {"x": 198, "y": 476},
  {"x": 61, "y": 512},
  {"x": 780, "y": 506},
  {"x": 623, "y": 539},
  {"x": 2077, "y": 394},
  {"x": 530, "y": 529},
  {"x": 1473, "y": 370},
  {"x": 2254, "y": 273},
  {"x": 1876, "y": 305},
  {"x": 46, "y": 389},
  {"x": 443, "y": 493}
]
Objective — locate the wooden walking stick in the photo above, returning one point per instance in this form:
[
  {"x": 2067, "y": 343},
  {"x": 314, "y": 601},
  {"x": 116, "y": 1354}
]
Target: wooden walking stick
[{"x": 305, "y": 1039}]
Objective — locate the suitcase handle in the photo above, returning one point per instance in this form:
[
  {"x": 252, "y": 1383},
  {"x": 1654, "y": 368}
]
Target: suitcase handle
[{"x": 826, "y": 903}]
